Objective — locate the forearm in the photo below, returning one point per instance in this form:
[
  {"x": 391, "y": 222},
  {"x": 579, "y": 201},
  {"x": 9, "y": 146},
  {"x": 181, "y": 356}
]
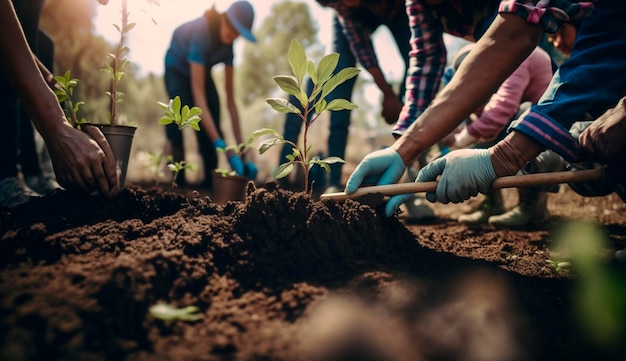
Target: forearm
[
  {"x": 234, "y": 117},
  {"x": 506, "y": 44},
  {"x": 381, "y": 82},
  {"x": 22, "y": 71}
]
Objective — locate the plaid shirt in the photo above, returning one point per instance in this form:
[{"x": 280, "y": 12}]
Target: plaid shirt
[
  {"x": 428, "y": 52},
  {"x": 458, "y": 17},
  {"x": 359, "y": 23}
]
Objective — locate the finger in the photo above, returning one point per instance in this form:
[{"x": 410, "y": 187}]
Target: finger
[
  {"x": 107, "y": 162},
  {"x": 394, "y": 203},
  {"x": 431, "y": 171},
  {"x": 356, "y": 179}
]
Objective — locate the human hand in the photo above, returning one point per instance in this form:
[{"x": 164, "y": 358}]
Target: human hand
[
  {"x": 83, "y": 159},
  {"x": 604, "y": 140},
  {"x": 392, "y": 106},
  {"x": 250, "y": 170},
  {"x": 234, "y": 160},
  {"x": 464, "y": 173},
  {"x": 381, "y": 167}
]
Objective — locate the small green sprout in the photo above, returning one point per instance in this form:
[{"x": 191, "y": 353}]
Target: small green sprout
[
  {"x": 311, "y": 106},
  {"x": 65, "y": 93},
  {"x": 170, "y": 314},
  {"x": 560, "y": 267},
  {"x": 177, "y": 167},
  {"x": 182, "y": 116},
  {"x": 154, "y": 163}
]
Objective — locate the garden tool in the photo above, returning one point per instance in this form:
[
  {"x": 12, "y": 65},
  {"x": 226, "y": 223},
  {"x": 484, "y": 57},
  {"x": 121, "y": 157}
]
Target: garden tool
[{"x": 525, "y": 180}]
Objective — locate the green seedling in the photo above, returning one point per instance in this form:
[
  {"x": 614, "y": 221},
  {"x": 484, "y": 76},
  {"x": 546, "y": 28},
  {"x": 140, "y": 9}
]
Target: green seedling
[
  {"x": 177, "y": 167},
  {"x": 155, "y": 160},
  {"x": 65, "y": 93},
  {"x": 170, "y": 314},
  {"x": 118, "y": 62},
  {"x": 182, "y": 116},
  {"x": 238, "y": 149},
  {"x": 559, "y": 267},
  {"x": 308, "y": 107}
]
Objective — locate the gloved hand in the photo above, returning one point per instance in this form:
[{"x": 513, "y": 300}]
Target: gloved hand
[
  {"x": 381, "y": 167},
  {"x": 250, "y": 170},
  {"x": 464, "y": 173},
  {"x": 234, "y": 160}
]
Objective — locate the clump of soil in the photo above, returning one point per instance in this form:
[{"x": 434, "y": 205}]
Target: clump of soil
[{"x": 280, "y": 276}]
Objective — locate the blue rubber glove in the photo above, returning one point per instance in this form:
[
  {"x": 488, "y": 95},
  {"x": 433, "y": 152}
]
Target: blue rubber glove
[
  {"x": 381, "y": 167},
  {"x": 250, "y": 170},
  {"x": 464, "y": 174},
  {"x": 235, "y": 162}
]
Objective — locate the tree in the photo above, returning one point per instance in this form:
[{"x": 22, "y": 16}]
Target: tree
[{"x": 287, "y": 20}]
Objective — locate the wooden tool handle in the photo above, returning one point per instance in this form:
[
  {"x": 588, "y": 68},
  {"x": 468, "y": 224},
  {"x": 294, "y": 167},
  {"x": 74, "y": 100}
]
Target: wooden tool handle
[{"x": 502, "y": 182}]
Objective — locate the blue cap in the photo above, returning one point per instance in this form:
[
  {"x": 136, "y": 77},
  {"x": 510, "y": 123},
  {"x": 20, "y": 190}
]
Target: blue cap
[{"x": 241, "y": 15}]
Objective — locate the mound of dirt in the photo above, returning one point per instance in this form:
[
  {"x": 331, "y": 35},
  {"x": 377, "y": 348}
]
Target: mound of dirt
[{"x": 280, "y": 276}]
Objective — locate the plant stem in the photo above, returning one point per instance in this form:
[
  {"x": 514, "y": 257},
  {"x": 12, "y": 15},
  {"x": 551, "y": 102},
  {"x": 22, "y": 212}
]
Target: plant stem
[{"x": 116, "y": 62}]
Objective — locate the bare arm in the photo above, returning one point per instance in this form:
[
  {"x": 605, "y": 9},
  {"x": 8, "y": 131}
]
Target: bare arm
[
  {"x": 198, "y": 72},
  {"x": 232, "y": 106},
  {"x": 79, "y": 160},
  {"x": 509, "y": 40}
]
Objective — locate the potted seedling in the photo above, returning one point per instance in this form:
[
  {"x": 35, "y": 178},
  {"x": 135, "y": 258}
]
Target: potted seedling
[
  {"x": 227, "y": 184},
  {"x": 183, "y": 116},
  {"x": 119, "y": 136},
  {"x": 310, "y": 107}
]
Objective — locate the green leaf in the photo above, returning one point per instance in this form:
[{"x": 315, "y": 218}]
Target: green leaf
[
  {"x": 282, "y": 105},
  {"x": 284, "y": 170},
  {"x": 342, "y": 76},
  {"x": 340, "y": 104},
  {"x": 323, "y": 165},
  {"x": 266, "y": 131},
  {"x": 165, "y": 120},
  {"x": 326, "y": 67},
  {"x": 310, "y": 69},
  {"x": 297, "y": 60},
  {"x": 267, "y": 144},
  {"x": 333, "y": 160},
  {"x": 289, "y": 84}
]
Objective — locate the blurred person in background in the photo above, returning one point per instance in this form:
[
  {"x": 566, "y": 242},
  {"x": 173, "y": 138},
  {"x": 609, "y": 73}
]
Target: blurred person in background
[{"x": 195, "y": 48}]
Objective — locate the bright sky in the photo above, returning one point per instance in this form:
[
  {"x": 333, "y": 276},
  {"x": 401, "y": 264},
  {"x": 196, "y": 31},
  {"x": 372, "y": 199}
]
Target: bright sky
[{"x": 148, "y": 41}]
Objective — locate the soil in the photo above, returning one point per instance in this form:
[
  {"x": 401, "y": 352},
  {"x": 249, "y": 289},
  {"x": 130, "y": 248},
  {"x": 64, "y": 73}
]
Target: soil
[{"x": 283, "y": 276}]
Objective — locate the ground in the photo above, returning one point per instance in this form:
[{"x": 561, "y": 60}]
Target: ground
[{"x": 283, "y": 276}]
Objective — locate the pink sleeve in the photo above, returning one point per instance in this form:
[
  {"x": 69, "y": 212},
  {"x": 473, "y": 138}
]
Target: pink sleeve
[{"x": 502, "y": 106}]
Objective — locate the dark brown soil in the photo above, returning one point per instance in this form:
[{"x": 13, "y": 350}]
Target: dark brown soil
[{"x": 283, "y": 277}]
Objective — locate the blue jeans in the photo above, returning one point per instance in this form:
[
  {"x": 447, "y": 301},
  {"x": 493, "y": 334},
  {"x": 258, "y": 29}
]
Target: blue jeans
[{"x": 340, "y": 120}]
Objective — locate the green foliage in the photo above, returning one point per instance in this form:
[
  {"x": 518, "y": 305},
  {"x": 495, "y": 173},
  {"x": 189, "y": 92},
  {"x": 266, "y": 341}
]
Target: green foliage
[
  {"x": 599, "y": 290},
  {"x": 155, "y": 160},
  {"x": 309, "y": 107},
  {"x": 65, "y": 93},
  {"x": 177, "y": 167},
  {"x": 116, "y": 68},
  {"x": 182, "y": 116},
  {"x": 170, "y": 314}
]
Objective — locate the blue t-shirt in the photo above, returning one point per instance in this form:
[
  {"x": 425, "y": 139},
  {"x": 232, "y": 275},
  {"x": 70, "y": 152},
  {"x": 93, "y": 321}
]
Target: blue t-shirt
[{"x": 193, "y": 42}]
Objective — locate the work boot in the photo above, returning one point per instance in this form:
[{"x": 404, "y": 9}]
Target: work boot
[
  {"x": 492, "y": 205},
  {"x": 13, "y": 192},
  {"x": 532, "y": 209}
]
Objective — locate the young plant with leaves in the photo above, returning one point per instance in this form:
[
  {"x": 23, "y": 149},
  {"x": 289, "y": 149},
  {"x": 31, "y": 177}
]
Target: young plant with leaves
[
  {"x": 64, "y": 90},
  {"x": 308, "y": 107},
  {"x": 239, "y": 150},
  {"x": 118, "y": 63},
  {"x": 183, "y": 116}
]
